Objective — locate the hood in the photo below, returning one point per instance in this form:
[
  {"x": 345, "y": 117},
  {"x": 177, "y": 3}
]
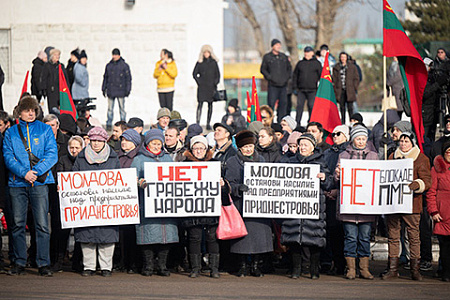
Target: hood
[
  {"x": 38, "y": 61},
  {"x": 119, "y": 60},
  {"x": 440, "y": 165}
]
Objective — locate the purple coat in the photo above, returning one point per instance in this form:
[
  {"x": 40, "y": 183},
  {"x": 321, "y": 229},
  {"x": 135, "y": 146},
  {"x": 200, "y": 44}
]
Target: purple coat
[{"x": 351, "y": 153}]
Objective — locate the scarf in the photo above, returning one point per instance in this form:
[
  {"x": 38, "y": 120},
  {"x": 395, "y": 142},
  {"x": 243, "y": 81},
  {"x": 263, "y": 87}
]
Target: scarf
[
  {"x": 343, "y": 72},
  {"x": 93, "y": 157}
]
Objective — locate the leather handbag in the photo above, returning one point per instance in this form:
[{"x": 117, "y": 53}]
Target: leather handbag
[
  {"x": 220, "y": 95},
  {"x": 390, "y": 102},
  {"x": 231, "y": 226},
  {"x": 34, "y": 160}
]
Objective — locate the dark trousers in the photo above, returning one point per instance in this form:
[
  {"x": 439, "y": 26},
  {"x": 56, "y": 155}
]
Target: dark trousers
[
  {"x": 302, "y": 96},
  {"x": 199, "y": 112},
  {"x": 195, "y": 234},
  {"x": 166, "y": 100},
  {"x": 426, "y": 231},
  {"x": 342, "y": 103},
  {"x": 444, "y": 254},
  {"x": 275, "y": 93},
  {"x": 126, "y": 252},
  {"x": 58, "y": 236},
  {"x": 288, "y": 105}
]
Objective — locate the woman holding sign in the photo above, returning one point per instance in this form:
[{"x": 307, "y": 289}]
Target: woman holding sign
[
  {"x": 153, "y": 234},
  {"x": 420, "y": 183},
  {"x": 301, "y": 235},
  {"x": 97, "y": 156},
  {"x": 259, "y": 238},
  {"x": 356, "y": 227}
]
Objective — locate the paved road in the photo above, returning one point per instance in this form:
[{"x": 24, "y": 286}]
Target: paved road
[{"x": 69, "y": 285}]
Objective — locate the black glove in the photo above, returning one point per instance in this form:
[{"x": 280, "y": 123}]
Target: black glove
[
  {"x": 243, "y": 188},
  {"x": 104, "y": 93},
  {"x": 385, "y": 140}
]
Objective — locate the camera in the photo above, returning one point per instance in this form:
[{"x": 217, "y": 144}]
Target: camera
[{"x": 82, "y": 105}]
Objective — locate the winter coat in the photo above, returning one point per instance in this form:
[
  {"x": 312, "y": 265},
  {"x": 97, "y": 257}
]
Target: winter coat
[
  {"x": 352, "y": 153},
  {"x": 165, "y": 77},
  {"x": 62, "y": 142},
  {"x": 438, "y": 196},
  {"x": 224, "y": 153},
  {"x": 430, "y": 101},
  {"x": 422, "y": 174},
  {"x": 117, "y": 79},
  {"x": 80, "y": 87},
  {"x": 276, "y": 69},
  {"x": 259, "y": 237},
  {"x": 437, "y": 146},
  {"x": 323, "y": 146},
  {"x": 207, "y": 77},
  {"x": 309, "y": 232},
  {"x": 239, "y": 122},
  {"x": 153, "y": 230},
  {"x": 377, "y": 132},
  {"x": 65, "y": 163},
  {"x": 50, "y": 82},
  {"x": 96, "y": 234},
  {"x": 306, "y": 75},
  {"x": 271, "y": 153},
  {"x": 42, "y": 144},
  {"x": 36, "y": 72},
  {"x": 351, "y": 81},
  {"x": 177, "y": 153},
  {"x": 395, "y": 81},
  {"x": 126, "y": 159},
  {"x": 70, "y": 73}
]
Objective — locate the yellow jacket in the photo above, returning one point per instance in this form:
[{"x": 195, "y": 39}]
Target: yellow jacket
[{"x": 166, "y": 78}]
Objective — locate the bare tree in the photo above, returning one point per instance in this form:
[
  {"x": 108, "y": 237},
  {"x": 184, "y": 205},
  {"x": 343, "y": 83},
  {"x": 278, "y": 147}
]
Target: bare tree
[
  {"x": 248, "y": 13},
  {"x": 284, "y": 20}
]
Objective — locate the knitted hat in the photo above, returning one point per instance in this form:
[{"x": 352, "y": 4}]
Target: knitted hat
[
  {"x": 199, "y": 139},
  {"x": 116, "y": 51},
  {"x": 154, "y": 134},
  {"x": 403, "y": 126},
  {"x": 255, "y": 127},
  {"x": 245, "y": 137},
  {"x": 233, "y": 103},
  {"x": 83, "y": 54},
  {"x": 135, "y": 122},
  {"x": 194, "y": 129},
  {"x": 274, "y": 42},
  {"x": 67, "y": 123},
  {"x": 76, "y": 52},
  {"x": 163, "y": 112},
  {"x": 98, "y": 134},
  {"x": 27, "y": 103},
  {"x": 290, "y": 121},
  {"x": 357, "y": 116},
  {"x": 277, "y": 127},
  {"x": 343, "y": 129},
  {"x": 132, "y": 136},
  {"x": 309, "y": 137},
  {"x": 227, "y": 128},
  {"x": 445, "y": 146},
  {"x": 178, "y": 123},
  {"x": 175, "y": 115},
  {"x": 411, "y": 137},
  {"x": 293, "y": 137},
  {"x": 358, "y": 130}
]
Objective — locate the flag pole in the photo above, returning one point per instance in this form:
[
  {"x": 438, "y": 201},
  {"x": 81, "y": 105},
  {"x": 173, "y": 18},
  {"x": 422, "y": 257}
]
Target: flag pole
[{"x": 385, "y": 104}]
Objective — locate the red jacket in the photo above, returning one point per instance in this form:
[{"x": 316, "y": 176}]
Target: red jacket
[{"x": 438, "y": 196}]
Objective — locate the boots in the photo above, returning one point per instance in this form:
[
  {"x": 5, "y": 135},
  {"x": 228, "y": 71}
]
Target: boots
[
  {"x": 296, "y": 265},
  {"x": 208, "y": 119},
  {"x": 255, "y": 269},
  {"x": 415, "y": 266},
  {"x": 214, "y": 265},
  {"x": 195, "y": 264},
  {"x": 242, "y": 266},
  {"x": 364, "y": 268},
  {"x": 393, "y": 269},
  {"x": 162, "y": 261},
  {"x": 315, "y": 264},
  {"x": 147, "y": 259},
  {"x": 199, "y": 112},
  {"x": 57, "y": 266},
  {"x": 351, "y": 268}
]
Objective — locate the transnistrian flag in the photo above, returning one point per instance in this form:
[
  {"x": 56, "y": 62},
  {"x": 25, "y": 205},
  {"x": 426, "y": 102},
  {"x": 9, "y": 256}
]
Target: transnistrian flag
[
  {"x": 25, "y": 84},
  {"x": 253, "y": 111},
  {"x": 66, "y": 105},
  {"x": 412, "y": 67},
  {"x": 325, "y": 110}
]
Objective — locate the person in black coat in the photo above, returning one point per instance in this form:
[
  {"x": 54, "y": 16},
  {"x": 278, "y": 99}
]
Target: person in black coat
[
  {"x": 207, "y": 76},
  {"x": 234, "y": 117},
  {"x": 36, "y": 71},
  {"x": 50, "y": 80},
  {"x": 97, "y": 156},
  {"x": 305, "y": 233},
  {"x": 268, "y": 146},
  {"x": 305, "y": 81}
]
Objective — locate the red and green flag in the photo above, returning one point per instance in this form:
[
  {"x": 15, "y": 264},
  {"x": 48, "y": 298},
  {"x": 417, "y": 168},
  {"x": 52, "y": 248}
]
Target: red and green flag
[
  {"x": 325, "y": 110},
  {"x": 412, "y": 67},
  {"x": 25, "y": 84},
  {"x": 253, "y": 111},
  {"x": 66, "y": 105}
]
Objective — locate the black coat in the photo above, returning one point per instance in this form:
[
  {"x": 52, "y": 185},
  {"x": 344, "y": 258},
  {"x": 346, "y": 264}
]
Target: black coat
[
  {"x": 306, "y": 75},
  {"x": 65, "y": 163},
  {"x": 36, "y": 72},
  {"x": 305, "y": 231},
  {"x": 96, "y": 234},
  {"x": 239, "y": 122},
  {"x": 117, "y": 79},
  {"x": 276, "y": 69},
  {"x": 70, "y": 75},
  {"x": 207, "y": 76},
  {"x": 50, "y": 83},
  {"x": 271, "y": 153},
  {"x": 126, "y": 159},
  {"x": 224, "y": 154}
]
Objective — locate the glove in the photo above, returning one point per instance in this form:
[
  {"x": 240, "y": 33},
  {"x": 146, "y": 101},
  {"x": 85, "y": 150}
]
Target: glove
[
  {"x": 413, "y": 186},
  {"x": 104, "y": 93},
  {"x": 243, "y": 188},
  {"x": 385, "y": 140}
]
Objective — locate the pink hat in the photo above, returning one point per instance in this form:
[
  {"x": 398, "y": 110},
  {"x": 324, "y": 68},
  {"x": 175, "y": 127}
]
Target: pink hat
[
  {"x": 293, "y": 137},
  {"x": 98, "y": 134}
]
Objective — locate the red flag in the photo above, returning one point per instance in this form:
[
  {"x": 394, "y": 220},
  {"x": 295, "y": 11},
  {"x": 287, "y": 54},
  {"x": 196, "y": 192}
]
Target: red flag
[
  {"x": 255, "y": 100},
  {"x": 66, "y": 105},
  {"x": 25, "y": 84},
  {"x": 249, "y": 109},
  {"x": 412, "y": 67},
  {"x": 325, "y": 109}
]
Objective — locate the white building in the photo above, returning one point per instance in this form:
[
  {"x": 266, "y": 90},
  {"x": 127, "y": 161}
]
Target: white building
[{"x": 139, "y": 30}]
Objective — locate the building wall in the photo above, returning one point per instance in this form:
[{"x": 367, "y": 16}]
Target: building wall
[{"x": 139, "y": 31}]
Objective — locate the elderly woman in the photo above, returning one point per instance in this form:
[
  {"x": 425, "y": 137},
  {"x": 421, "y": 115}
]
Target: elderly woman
[
  {"x": 153, "y": 234},
  {"x": 438, "y": 205},
  {"x": 97, "y": 156},
  {"x": 357, "y": 227},
  {"x": 421, "y": 182},
  {"x": 165, "y": 73},
  {"x": 267, "y": 145},
  {"x": 259, "y": 238},
  {"x": 299, "y": 234},
  {"x": 196, "y": 227},
  {"x": 207, "y": 76}
]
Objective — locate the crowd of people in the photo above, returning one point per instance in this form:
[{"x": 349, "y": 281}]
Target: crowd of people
[{"x": 36, "y": 146}]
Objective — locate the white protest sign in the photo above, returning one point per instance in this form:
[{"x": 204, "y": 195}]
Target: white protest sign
[
  {"x": 281, "y": 191},
  {"x": 376, "y": 186},
  {"x": 190, "y": 189},
  {"x": 98, "y": 198}
]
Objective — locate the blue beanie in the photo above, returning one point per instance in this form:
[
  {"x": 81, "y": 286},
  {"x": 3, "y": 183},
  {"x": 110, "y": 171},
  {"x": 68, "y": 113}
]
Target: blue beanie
[
  {"x": 132, "y": 136},
  {"x": 154, "y": 134}
]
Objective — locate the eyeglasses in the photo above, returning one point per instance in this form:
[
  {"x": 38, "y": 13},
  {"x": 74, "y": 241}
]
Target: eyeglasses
[
  {"x": 336, "y": 134},
  {"x": 199, "y": 149}
]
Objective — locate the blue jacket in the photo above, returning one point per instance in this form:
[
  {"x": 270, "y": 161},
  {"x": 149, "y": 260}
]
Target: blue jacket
[
  {"x": 80, "y": 87},
  {"x": 42, "y": 143},
  {"x": 117, "y": 79}
]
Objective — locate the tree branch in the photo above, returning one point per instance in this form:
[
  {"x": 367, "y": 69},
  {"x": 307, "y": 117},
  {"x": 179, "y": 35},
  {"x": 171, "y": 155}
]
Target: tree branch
[{"x": 299, "y": 20}]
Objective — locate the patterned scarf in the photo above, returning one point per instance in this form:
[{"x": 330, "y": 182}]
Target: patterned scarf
[
  {"x": 343, "y": 72},
  {"x": 93, "y": 157}
]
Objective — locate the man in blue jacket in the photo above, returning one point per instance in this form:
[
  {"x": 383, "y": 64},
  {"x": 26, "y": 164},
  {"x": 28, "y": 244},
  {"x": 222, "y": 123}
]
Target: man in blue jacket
[
  {"x": 116, "y": 84},
  {"x": 26, "y": 183}
]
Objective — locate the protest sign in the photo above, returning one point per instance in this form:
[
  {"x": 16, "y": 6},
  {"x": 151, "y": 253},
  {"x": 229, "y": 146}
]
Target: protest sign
[
  {"x": 98, "y": 198},
  {"x": 281, "y": 191},
  {"x": 190, "y": 189},
  {"x": 376, "y": 187}
]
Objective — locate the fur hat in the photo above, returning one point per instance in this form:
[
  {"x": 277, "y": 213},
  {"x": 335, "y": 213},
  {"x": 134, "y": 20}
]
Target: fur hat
[
  {"x": 132, "y": 136},
  {"x": 198, "y": 139},
  {"x": 154, "y": 134},
  {"x": 26, "y": 103},
  {"x": 358, "y": 130},
  {"x": 98, "y": 134},
  {"x": 309, "y": 137},
  {"x": 290, "y": 121},
  {"x": 245, "y": 137},
  {"x": 163, "y": 112},
  {"x": 293, "y": 137},
  {"x": 343, "y": 129}
]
